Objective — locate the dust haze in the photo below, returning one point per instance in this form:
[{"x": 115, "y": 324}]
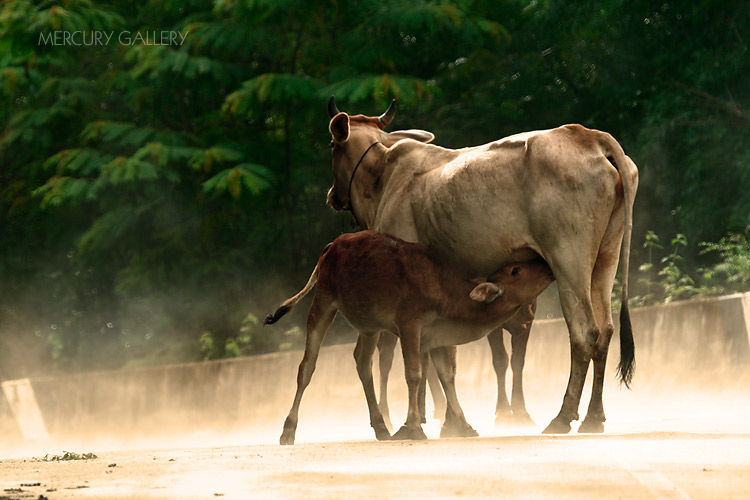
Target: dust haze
[{"x": 678, "y": 387}]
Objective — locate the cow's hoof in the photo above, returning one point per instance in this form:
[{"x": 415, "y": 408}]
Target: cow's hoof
[
  {"x": 286, "y": 438},
  {"x": 516, "y": 419},
  {"x": 461, "y": 429},
  {"x": 503, "y": 417},
  {"x": 406, "y": 433},
  {"x": 557, "y": 426},
  {"x": 388, "y": 424},
  {"x": 591, "y": 426},
  {"x": 522, "y": 417}
]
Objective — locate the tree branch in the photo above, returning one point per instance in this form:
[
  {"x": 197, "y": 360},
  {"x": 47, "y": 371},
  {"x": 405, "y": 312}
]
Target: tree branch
[{"x": 729, "y": 106}]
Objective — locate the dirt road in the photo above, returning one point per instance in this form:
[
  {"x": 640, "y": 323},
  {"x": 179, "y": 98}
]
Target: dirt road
[{"x": 669, "y": 465}]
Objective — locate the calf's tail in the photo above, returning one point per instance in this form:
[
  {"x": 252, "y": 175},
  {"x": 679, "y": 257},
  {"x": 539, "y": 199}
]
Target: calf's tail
[
  {"x": 629, "y": 176},
  {"x": 289, "y": 303}
]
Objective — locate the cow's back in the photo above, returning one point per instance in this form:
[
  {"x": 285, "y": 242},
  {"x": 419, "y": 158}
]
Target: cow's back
[{"x": 504, "y": 201}]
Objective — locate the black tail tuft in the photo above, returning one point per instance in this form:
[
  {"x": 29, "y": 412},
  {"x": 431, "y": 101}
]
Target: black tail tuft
[
  {"x": 273, "y": 318},
  {"x": 626, "y": 367}
]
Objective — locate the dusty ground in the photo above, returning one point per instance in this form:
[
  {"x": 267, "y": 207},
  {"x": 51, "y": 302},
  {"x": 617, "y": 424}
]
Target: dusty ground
[
  {"x": 658, "y": 465},
  {"x": 664, "y": 440}
]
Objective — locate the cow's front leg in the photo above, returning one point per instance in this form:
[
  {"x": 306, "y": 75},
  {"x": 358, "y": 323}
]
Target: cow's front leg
[
  {"x": 455, "y": 425},
  {"x": 410, "y": 342}
]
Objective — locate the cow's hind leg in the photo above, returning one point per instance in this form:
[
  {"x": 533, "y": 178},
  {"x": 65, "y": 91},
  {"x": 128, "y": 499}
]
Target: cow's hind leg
[
  {"x": 601, "y": 295},
  {"x": 576, "y": 303},
  {"x": 319, "y": 319},
  {"x": 455, "y": 425},
  {"x": 386, "y": 349},
  {"x": 366, "y": 345}
]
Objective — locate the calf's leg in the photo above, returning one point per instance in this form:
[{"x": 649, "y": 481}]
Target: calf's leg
[
  {"x": 366, "y": 345},
  {"x": 500, "y": 364},
  {"x": 519, "y": 338},
  {"x": 422, "y": 391},
  {"x": 410, "y": 341},
  {"x": 436, "y": 391},
  {"x": 319, "y": 319},
  {"x": 386, "y": 349}
]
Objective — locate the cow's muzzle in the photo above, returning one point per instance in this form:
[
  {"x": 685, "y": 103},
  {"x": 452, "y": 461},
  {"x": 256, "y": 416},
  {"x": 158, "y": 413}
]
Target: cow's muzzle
[{"x": 333, "y": 201}]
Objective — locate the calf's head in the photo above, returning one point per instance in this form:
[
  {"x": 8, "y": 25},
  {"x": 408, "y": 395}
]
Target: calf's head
[{"x": 516, "y": 283}]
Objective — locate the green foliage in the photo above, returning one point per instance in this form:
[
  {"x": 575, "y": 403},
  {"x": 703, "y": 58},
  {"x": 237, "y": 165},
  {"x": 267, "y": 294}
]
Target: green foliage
[
  {"x": 254, "y": 178},
  {"x": 732, "y": 272},
  {"x": 668, "y": 281},
  {"x": 252, "y": 339},
  {"x": 150, "y": 193},
  {"x": 676, "y": 284}
]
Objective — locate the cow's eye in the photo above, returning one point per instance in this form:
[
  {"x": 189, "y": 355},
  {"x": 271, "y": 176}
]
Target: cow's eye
[{"x": 515, "y": 271}]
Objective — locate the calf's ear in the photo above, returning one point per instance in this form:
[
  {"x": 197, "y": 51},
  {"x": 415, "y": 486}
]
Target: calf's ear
[
  {"x": 486, "y": 292},
  {"x": 339, "y": 127}
]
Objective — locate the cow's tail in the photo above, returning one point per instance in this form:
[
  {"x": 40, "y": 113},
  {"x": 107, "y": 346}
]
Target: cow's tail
[
  {"x": 289, "y": 303},
  {"x": 629, "y": 177}
]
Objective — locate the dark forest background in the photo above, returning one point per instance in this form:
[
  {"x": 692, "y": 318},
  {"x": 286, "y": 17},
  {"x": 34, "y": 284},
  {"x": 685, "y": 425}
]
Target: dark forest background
[{"x": 157, "y": 200}]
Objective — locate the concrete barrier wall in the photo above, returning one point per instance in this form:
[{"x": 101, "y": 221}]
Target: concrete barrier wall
[{"x": 255, "y": 392}]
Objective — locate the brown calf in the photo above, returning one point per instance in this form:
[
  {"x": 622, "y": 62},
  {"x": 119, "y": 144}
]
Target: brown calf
[{"x": 381, "y": 283}]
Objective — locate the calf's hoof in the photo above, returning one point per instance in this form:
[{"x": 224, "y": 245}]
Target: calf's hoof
[
  {"x": 557, "y": 426},
  {"x": 405, "y": 433},
  {"x": 591, "y": 426},
  {"x": 286, "y": 438},
  {"x": 459, "y": 429}
]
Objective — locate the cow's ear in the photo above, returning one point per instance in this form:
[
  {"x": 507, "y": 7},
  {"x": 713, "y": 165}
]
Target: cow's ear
[
  {"x": 418, "y": 135},
  {"x": 339, "y": 127},
  {"x": 486, "y": 292}
]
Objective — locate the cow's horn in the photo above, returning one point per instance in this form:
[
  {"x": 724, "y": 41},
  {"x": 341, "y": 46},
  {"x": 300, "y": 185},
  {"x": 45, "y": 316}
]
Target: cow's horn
[
  {"x": 333, "y": 110},
  {"x": 386, "y": 118}
]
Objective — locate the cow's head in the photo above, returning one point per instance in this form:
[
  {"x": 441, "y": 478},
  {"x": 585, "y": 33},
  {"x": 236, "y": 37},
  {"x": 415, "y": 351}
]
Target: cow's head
[{"x": 351, "y": 138}]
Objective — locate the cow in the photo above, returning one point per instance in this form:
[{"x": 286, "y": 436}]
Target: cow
[
  {"x": 381, "y": 283},
  {"x": 564, "y": 194}
]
